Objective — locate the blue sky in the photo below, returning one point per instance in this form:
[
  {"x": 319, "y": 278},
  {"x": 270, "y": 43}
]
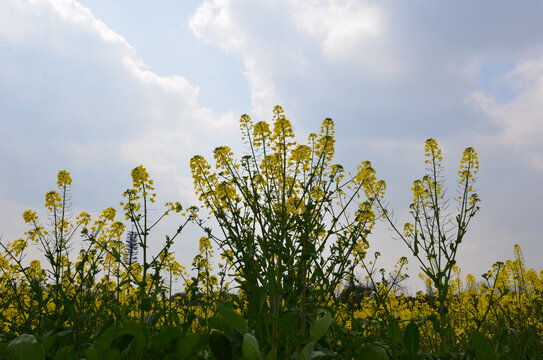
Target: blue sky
[{"x": 99, "y": 87}]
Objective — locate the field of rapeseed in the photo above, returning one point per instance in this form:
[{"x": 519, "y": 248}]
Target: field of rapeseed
[{"x": 293, "y": 228}]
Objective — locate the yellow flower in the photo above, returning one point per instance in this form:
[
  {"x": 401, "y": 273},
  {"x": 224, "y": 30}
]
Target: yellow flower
[
  {"x": 109, "y": 214},
  {"x": 261, "y": 133},
  {"x": 52, "y": 200},
  {"x": 64, "y": 178},
  {"x": 30, "y": 216},
  {"x": 83, "y": 219},
  {"x": 433, "y": 152},
  {"x": 139, "y": 175},
  {"x": 18, "y": 246},
  {"x": 469, "y": 165},
  {"x": 204, "y": 244}
]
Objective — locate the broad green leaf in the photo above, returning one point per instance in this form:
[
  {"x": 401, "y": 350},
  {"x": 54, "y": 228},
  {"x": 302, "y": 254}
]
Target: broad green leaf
[
  {"x": 411, "y": 338},
  {"x": 394, "y": 331},
  {"x": 103, "y": 342},
  {"x": 66, "y": 352},
  {"x": 113, "y": 354},
  {"x": 272, "y": 355},
  {"x": 220, "y": 346},
  {"x": 319, "y": 327},
  {"x": 92, "y": 353},
  {"x": 133, "y": 329},
  {"x": 484, "y": 350},
  {"x": 250, "y": 347},
  {"x": 233, "y": 319},
  {"x": 306, "y": 352},
  {"x": 25, "y": 347},
  {"x": 166, "y": 339},
  {"x": 171, "y": 357},
  {"x": 190, "y": 344},
  {"x": 372, "y": 352},
  {"x": 123, "y": 343}
]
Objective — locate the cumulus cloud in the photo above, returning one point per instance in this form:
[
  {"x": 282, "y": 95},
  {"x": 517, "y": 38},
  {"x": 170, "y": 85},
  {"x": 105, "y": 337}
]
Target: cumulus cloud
[
  {"x": 519, "y": 120},
  {"x": 391, "y": 74},
  {"x": 227, "y": 24},
  {"x": 76, "y": 96},
  {"x": 353, "y": 33}
]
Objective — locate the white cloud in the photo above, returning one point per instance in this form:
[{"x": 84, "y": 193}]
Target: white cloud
[
  {"x": 213, "y": 21},
  {"x": 390, "y": 74},
  {"x": 519, "y": 120},
  {"x": 79, "y": 98},
  {"x": 347, "y": 31},
  {"x": 277, "y": 41},
  {"x": 220, "y": 22}
]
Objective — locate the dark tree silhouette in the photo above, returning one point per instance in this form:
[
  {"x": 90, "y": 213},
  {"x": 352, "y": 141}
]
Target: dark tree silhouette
[{"x": 131, "y": 255}]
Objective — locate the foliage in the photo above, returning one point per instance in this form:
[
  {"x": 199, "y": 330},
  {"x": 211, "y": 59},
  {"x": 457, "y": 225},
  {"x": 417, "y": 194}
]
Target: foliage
[
  {"x": 294, "y": 228},
  {"x": 433, "y": 237}
]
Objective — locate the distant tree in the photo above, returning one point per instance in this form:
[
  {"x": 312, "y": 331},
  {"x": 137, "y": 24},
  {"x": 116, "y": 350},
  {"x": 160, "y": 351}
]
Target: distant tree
[{"x": 131, "y": 255}]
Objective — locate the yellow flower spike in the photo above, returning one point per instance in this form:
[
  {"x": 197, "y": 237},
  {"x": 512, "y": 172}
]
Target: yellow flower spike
[
  {"x": 246, "y": 126},
  {"x": 205, "y": 244},
  {"x": 30, "y": 216},
  {"x": 326, "y": 141},
  {"x": 223, "y": 158},
  {"x": 433, "y": 152},
  {"x": 282, "y": 131},
  {"x": 83, "y": 219},
  {"x": 18, "y": 246},
  {"x": 109, "y": 214},
  {"x": 64, "y": 178},
  {"x": 419, "y": 192},
  {"x": 140, "y": 178},
  {"x": 52, "y": 200},
  {"x": 261, "y": 133},
  {"x": 409, "y": 230},
  {"x": 469, "y": 165}
]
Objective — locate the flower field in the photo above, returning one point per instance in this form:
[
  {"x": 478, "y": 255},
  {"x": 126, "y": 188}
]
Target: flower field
[{"x": 288, "y": 229}]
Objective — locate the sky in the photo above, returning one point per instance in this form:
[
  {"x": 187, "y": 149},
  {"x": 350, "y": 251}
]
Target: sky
[{"x": 98, "y": 87}]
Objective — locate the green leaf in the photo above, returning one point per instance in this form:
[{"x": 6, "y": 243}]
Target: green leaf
[
  {"x": 220, "y": 346},
  {"x": 372, "y": 352},
  {"x": 190, "y": 344},
  {"x": 123, "y": 343},
  {"x": 306, "y": 352},
  {"x": 411, "y": 338},
  {"x": 171, "y": 357},
  {"x": 394, "y": 331},
  {"x": 3, "y": 349},
  {"x": 66, "y": 352},
  {"x": 484, "y": 350},
  {"x": 113, "y": 354},
  {"x": 272, "y": 355},
  {"x": 218, "y": 323},
  {"x": 233, "y": 319},
  {"x": 99, "y": 349},
  {"x": 25, "y": 347},
  {"x": 92, "y": 353},
  {"x": 133, "y": 329},
  {"x": 319, "y": 327},
  {"x": 165, "y": 340},
  {"x": 250, "y": 347}
]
